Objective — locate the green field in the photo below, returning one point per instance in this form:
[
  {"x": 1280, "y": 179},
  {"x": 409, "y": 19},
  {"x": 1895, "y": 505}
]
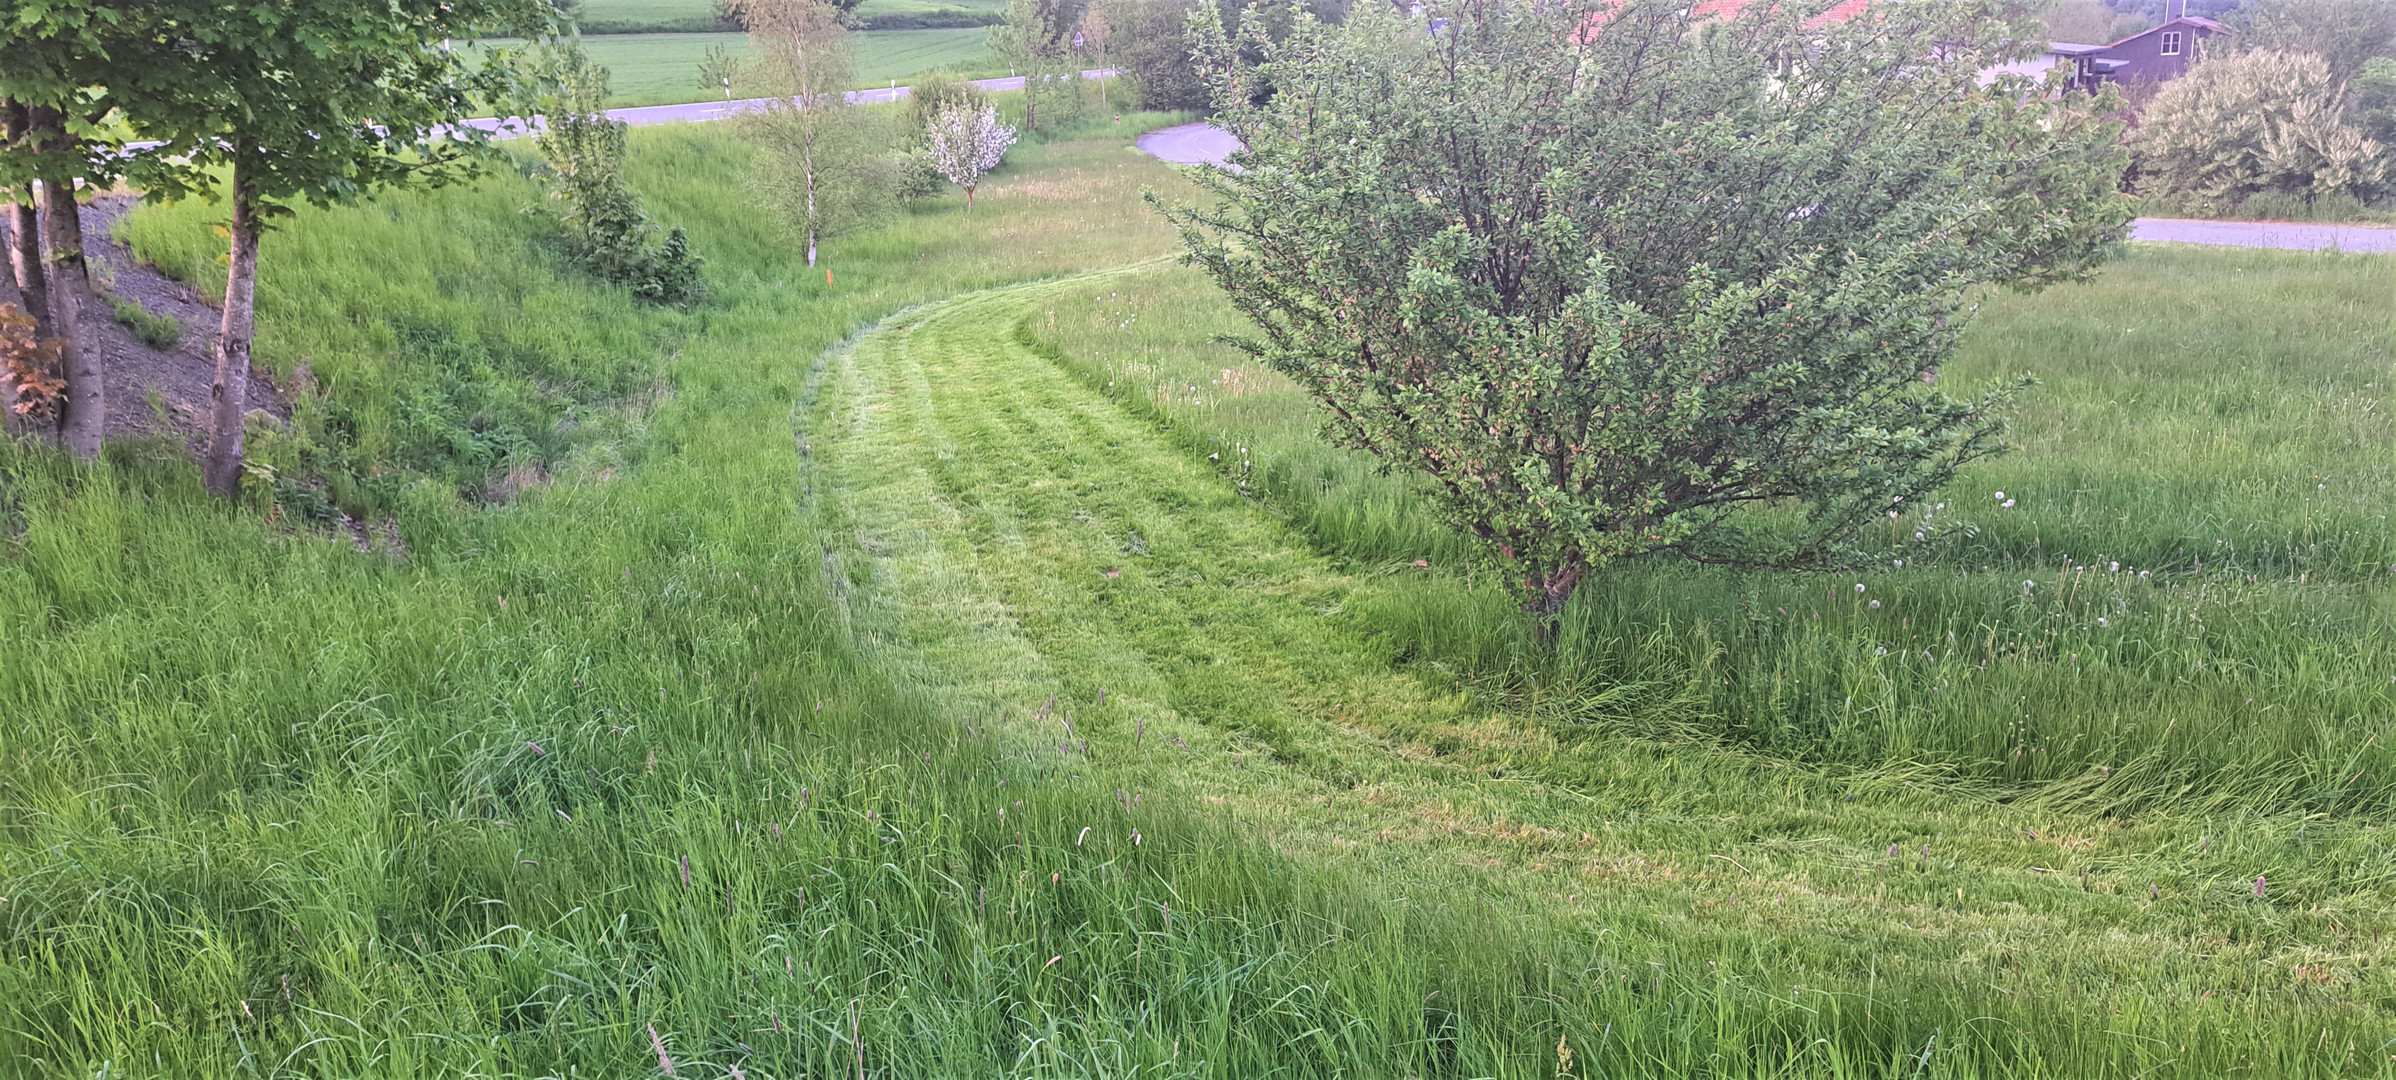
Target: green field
[
  {"x": 662, "y": 69},
  {"x": 955, "y": 665},
  {"x": 687, "y": 16}
]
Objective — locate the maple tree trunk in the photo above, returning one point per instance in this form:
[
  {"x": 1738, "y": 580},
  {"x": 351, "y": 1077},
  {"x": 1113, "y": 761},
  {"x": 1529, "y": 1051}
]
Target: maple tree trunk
[
  {"x": 83, "y": 408},
  {"x": 229, "y": 396}
]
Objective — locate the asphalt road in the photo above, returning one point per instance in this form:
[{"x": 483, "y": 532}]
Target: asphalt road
[
  {"x": 1205, "y": 144},
  {"x": 1190, "y": 144},
  {"x": 701, "y": 111},
  {"x": 2297, "y": 235}
]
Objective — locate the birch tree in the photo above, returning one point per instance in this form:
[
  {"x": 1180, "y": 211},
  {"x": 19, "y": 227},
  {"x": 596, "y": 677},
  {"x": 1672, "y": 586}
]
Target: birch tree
[
  {"x": 818, "y": 161},
  {"x": 1031, "y": 40},
  {"x": 1091, "y": 38},
  {"x": 966, "y": 142}
]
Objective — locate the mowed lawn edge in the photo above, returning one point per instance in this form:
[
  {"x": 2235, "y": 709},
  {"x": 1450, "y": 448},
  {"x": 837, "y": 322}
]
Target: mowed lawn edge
[{"x": 1051, "y": 563}]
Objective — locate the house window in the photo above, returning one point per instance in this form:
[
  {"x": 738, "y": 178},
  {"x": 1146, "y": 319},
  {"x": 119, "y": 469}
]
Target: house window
[{"x": 2171, "y": 43}]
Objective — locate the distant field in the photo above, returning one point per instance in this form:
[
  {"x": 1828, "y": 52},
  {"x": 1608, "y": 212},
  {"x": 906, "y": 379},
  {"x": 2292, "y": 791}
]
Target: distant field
[
  {"x": 685, "y": 16},
  {"x": 660, "y": 69}
]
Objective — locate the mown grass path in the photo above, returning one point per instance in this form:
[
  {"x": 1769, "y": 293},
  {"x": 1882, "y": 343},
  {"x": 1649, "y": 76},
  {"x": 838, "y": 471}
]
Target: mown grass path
[{"x": 1033, "y": 553}]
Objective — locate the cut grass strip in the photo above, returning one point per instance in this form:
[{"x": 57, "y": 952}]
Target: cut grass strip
[{"x": 1035, "y": 556}]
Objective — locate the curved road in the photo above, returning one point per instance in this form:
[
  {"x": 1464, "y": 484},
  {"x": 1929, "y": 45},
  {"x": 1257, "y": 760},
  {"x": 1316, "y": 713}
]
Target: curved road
[
  {"x": 1205, "y": 144},
  {"x": 697, "y": 111}
]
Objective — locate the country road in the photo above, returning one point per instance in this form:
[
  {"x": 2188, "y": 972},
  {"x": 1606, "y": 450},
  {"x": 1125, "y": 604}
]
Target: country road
[
  {"x": 699, "y": 111},
  {"x": 1206, "y": 144}
]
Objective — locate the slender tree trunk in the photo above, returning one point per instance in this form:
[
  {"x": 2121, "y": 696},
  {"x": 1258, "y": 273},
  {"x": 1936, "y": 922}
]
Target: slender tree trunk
[
  {"x": 22, "y": 219},
  {"x": 229, "y": 397},
  {"x": 25, "y": 258},
  {"x": 83, "y": 413},
  {"x": 812, "y": 217},
  {"x": 969, "y": 198}
]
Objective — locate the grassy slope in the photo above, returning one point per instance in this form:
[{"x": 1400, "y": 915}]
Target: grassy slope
[{"x": 605, "y": 758}]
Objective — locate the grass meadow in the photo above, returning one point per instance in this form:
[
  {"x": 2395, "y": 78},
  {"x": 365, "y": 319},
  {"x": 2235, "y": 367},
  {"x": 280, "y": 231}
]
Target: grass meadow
[
  {"x": 687, "y": 16},
  {"x": 663, "y": 68},
  {"x": 2181, "y": 589},
  {"x": 949, "y": 664}
]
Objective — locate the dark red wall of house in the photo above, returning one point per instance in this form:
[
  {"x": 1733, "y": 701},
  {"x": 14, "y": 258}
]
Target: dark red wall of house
[{"x": 2144, "y": 59}]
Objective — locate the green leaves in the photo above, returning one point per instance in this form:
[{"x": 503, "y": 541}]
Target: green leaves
[{"x": 1621, "y": 281}]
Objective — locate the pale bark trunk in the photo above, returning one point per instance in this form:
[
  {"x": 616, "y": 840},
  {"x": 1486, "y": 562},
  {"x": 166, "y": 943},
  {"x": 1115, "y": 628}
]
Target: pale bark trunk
[
  {"x": 25, "y": 262},
  {"x": 35, "y": 306},
  {"x": 812, "y": 215},
  {"x": 229, "y": 397},
  {"x": 83, "y": 412},
  {"x": 969, "y": 198},
  {"x": 25, "y": 259}
]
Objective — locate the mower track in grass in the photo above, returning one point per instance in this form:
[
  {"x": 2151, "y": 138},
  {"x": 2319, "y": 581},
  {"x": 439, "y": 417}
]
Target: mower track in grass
[{"x": 1044, "y": 562}]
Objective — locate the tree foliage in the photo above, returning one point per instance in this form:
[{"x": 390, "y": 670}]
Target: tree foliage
[
  {"x": 1618, "y": 282},
  {"x": 2345, "y": 33},
  {"x": 29, "y": 363},
  {"x": 820, "y": 162},
  {"x": 1035, "y": 39},
  {"x": 607, "y": 228},
  {"x": 966, "y": 142},
  {"x": 2250, "y": 123}
]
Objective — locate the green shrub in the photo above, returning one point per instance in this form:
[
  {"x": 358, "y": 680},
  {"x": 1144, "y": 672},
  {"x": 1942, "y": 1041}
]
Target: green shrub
[{"x": 607, "y": 228}]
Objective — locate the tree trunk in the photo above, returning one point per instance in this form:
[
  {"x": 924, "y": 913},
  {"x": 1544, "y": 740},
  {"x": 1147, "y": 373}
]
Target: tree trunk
[
  {"x": 812, "y": 215},
  {"x": 25, "y": 259},
  {"x": 23, "y": 264},
  {"x": 83, "y": 410},
  {"x": 24, "y": 226},
  {"x": 229, "y": 397},
  {"x": 1551, "y": 588},
  {"x": 969, "y": 198}
]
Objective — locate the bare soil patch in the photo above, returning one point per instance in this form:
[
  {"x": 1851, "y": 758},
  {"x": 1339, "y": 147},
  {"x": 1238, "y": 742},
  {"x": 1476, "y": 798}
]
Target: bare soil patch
[{"x": 153, "y": 391}]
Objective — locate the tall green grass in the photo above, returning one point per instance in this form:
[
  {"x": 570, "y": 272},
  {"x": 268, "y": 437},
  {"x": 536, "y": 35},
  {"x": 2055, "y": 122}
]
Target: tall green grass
[
  {"x": 2190, "y": 601},
  {"x": 604, "y": 761}
]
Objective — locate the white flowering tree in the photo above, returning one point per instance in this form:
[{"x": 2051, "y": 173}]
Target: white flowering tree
[{"x": 966, "y": 141}]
